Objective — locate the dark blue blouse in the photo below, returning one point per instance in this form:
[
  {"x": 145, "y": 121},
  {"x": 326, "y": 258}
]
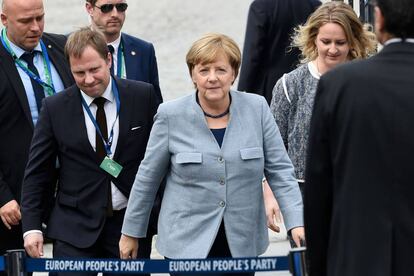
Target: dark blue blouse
[{"x": 218, "y": 134}]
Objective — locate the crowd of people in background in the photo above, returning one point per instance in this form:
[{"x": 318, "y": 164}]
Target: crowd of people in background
[{"x": 91, "y": 157}]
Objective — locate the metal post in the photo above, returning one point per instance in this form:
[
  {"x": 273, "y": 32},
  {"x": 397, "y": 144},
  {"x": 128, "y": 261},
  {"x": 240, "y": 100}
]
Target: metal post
[
  {"x": 14, "y": 261},
  {"x": 297, "y": 262},
  {"x": 363, "y": 11}
]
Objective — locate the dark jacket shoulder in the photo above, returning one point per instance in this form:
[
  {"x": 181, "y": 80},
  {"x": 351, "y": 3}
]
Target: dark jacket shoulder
[
  {"x": 129, "y": 39},
  {"x": 54, "y": 39},
  {"x": 125, "y": 83}
]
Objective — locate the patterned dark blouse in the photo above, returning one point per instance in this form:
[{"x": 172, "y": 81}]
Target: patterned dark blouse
[{"x": 292, "y": 108}]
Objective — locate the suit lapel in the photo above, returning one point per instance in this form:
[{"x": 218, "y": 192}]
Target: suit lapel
[
  {"x": 78, "y": 120},
  {"x": 78, "y": 115},
  {"x": 131, "y": 58},
  {"x": 9, "y": 66},
  {"x": 124, "y": 116},
  {"x": 200, "y": 120},
  {"x": 58, "y": 60},
  {"x": 235, "y": 124}
]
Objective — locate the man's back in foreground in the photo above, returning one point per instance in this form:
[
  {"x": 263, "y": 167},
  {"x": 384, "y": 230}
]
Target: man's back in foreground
[{"x": 358, "y": 205}]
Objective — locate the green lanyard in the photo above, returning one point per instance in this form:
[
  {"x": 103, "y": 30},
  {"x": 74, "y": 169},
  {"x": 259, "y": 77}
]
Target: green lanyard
[
  {"x": 120, "y": 72},
  {"x": 48, "y": 84}
]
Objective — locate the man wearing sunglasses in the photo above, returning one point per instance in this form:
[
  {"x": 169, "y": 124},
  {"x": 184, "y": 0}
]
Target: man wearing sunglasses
[{"x": 133, "y": 58}]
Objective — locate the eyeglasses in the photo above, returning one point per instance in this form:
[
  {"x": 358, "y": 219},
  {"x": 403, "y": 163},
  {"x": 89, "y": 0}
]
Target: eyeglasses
[{"x": 106, "y": 8}]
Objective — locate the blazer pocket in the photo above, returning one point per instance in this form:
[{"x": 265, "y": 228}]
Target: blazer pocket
[
  {"x": 67, "y": 200},
  {"x": 188, "y": 157},
  {"x": 251, "y": 153},
  {"x": 136, "y": 128}
]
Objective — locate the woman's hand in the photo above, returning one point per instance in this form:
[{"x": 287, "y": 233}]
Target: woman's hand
[
  {"x": 272, "y": 208},
  {"x": 128, "y": 247},
  {"x": 298, "y": 235}
]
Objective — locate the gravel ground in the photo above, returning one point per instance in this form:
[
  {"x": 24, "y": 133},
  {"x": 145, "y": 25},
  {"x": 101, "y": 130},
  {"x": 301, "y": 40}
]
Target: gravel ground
[{"x": 171, "y": 25}]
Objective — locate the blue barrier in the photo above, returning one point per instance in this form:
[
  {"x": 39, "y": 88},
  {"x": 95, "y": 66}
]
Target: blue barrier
[
  {"x": 158, "y": 266},
  {"x": 298, "y": 261},
  {"x": 21, "y": 264},
  {"x": 1, "y": 263}
]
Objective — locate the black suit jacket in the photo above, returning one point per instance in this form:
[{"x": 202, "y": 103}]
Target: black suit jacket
[
  {"x": 359, "y": 207},
  {"x": 16, "y": 125},
  {"x": 79, "y": 212},
  {"x": 141, "y": 62},
  {"x": 266, "y": 56}
]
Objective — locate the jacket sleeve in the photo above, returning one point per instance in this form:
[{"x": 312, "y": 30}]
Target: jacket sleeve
[
  {"x": 154, "y": 75},
  {"x": 253, "y": 49},
  {"x": 6, "y": 194},
  {"x": 40, "y": 171},
  {"x": 147, "y": 181},
  {"x": 279, "y": 172}
]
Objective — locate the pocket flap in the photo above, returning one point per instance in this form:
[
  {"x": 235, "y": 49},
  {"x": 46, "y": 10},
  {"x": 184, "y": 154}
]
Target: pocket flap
[
  {"x": 251, "y": 153},
  {"x": 188, "y": 157},
  {"x": 67, "y": 200}
]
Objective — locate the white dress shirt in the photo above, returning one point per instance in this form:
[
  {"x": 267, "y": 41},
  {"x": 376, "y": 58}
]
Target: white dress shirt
[{"x": 119, "y": 201}]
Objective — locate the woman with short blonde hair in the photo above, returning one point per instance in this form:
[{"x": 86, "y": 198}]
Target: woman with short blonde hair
[{"x": 213, "y": 146}]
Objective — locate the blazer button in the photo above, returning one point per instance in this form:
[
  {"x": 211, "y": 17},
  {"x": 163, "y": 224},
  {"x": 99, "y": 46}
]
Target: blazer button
[
  {"x": 220, "y": 159},
  {"x": 222, "y": 203}
]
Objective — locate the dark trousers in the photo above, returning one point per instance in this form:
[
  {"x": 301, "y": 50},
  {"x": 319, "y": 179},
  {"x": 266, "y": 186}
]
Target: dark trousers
[
  {"x": 106, "y": 246},
  {"x": 10, "y": 239},
  {"x": 220, "y": 249}
]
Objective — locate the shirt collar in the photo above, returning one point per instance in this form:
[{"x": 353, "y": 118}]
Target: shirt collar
[
  {"x": 19, "y": 51},
  {"x": 116, "y": 44},
  {"x": 398, "y": 40},
  {"x": 313, "y": 70},
  {"x": 108, "y": 94}
]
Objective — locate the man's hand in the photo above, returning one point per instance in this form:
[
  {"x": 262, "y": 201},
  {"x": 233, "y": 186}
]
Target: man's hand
[
  {"x": 10, "y": 213},
  {"x": 33, "y": 243},
  {"x": 128, "y": 247},
  {"x": 298, "y": 235},
  {"x": 272, "y": 208}
]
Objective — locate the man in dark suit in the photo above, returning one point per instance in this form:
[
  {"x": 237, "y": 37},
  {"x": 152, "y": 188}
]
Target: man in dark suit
[
  {"x": 133, "y": 58},
  {"x": 359, "y": 209},
  {"x": 266, "y": 56},
  {"x": 98, "y": 130},
  {"x": 20, "y": 100}
]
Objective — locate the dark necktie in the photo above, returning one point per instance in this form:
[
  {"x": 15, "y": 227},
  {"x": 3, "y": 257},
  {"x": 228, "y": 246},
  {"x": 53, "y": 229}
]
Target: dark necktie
[
  {"x": 101, "y": 120},
  {"x": 112, "y": 50},
  {"x": 37, "y": 88},
  {"x": 100, "y": 146}
]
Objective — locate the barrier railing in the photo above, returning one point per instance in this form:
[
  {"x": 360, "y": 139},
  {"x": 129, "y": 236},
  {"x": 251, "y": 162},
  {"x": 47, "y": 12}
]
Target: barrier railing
[
  {"x": 15, "y": 263},
  {"x": 1, "y": 263}
]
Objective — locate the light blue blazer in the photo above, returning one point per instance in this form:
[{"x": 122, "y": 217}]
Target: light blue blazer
[{"x": 207, "y": 184}]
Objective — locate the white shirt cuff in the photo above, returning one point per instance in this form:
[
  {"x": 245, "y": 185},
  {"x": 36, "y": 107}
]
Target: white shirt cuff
[{"x": 31, "y": 232}]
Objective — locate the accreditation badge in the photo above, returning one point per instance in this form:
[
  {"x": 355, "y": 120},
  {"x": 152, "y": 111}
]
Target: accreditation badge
[{"x": 111, "y": 167}]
